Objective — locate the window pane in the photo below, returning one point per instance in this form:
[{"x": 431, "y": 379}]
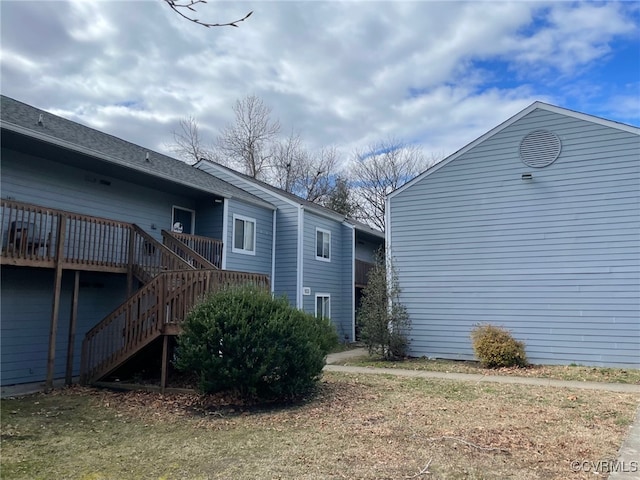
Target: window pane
[
  {"x": 248, "y": 235},
  {"x": 319, "y": 244},
  {"x": 238, "y": 240},
  {"x": 326, "y": 245}
]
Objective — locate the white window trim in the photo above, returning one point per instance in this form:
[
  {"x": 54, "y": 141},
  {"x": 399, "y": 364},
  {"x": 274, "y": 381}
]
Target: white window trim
[
  {"x": 315, "y": 244},
  {"x": 233, "y": 235},
  {"x": 315, "y": 308}
]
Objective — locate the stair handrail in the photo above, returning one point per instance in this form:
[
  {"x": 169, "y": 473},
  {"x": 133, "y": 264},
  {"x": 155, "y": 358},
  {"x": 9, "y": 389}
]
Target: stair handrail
[
  {"x": 144, "y": 316},
  {"x": 183, "y": 250},
  {"x": 130, "y": 324},
  {"x": 151, "y": 257}
]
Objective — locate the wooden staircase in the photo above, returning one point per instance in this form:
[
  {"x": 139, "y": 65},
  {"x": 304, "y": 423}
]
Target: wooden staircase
[{"x": 175, "y": 277}]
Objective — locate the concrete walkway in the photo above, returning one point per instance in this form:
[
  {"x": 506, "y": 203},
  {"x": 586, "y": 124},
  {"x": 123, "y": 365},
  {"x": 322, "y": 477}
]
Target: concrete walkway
[{"x": 628, "y": 464}]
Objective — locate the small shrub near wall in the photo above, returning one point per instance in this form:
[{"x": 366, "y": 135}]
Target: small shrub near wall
[
  {"x": 246, "y": 341},
  {"x": 383, "y": 320},
  {"x": 495, "y": 347}
]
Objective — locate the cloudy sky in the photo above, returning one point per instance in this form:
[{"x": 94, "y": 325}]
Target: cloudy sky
[{"x": 341, "y": 73}]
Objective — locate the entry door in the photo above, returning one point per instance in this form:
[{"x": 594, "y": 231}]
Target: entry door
[{"x": 183, "y": 218}]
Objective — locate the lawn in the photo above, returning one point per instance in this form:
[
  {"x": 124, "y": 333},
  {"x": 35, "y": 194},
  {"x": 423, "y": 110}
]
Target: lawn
[
  {"x": 362, "y": 426},
  {"x": 579, "y": 373}
]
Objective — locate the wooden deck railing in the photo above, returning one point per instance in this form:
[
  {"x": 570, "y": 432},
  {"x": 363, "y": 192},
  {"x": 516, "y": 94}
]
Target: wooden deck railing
[
  {"x": 33, "y": 235},
  {"x": 362, "y": 272},
  {"x": 164, "y": 302},
  {"x": 181, "y": 248},
  {"x": 150, "y": 257},
  {"x": 208, "y": 248}
]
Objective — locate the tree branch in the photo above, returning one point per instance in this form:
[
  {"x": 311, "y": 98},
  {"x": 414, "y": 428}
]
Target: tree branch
[
  {"x": 424, "y": 471},
  {"x": 188, "y": 5}
]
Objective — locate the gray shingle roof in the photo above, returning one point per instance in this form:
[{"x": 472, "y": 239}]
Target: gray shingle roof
[
  {"x": 18, "y": 116},
  {"x": 314, "y": 207}
]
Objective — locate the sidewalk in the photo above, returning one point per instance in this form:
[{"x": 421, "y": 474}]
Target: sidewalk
[
  {"x": 628, "y": 466},
  {"x": 470, "y": 377}
]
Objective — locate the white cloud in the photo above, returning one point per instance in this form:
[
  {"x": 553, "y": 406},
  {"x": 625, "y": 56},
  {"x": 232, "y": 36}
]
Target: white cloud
[{"x": 342, "y": 73}]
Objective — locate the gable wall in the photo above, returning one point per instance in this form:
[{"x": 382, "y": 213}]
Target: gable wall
[{"x": 555, "y": 259}]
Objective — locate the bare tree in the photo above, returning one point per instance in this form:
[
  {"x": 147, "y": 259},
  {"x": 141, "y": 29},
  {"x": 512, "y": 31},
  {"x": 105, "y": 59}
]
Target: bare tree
[
  {"x": 316, "y": 179},
  {"x": 296, "y": 170},
  {"x": 188, "y": 5},
  {"x": 286, "y": 159},
  {"x": 188, "y": 143},
  {"x": 380, "y": 169},
  {"x": 247, "y": 142}
]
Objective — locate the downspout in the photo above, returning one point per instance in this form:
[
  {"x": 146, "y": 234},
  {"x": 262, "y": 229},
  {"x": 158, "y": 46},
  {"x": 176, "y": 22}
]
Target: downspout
[
  {"x": 273, "y": 255},
  {"x": 353, "y": 280},
  {"x": 225, "y": 236},
  {"x": 300, "y": 279}
]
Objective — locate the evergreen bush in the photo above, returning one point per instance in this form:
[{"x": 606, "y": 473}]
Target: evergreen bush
[
  {"x": 384, "y": 322},
  {"x": 245, "y": 340},
  {"x": 495, "y": 347}
]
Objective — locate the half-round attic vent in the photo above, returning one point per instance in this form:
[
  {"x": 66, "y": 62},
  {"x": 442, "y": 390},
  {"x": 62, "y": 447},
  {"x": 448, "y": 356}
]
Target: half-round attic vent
[{"x": 540, "y": 148}]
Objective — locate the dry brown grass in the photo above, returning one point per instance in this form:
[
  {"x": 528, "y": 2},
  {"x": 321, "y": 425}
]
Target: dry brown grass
[
  {"x": 579, "y": 373},
  {"x": 363, "y": 426}
]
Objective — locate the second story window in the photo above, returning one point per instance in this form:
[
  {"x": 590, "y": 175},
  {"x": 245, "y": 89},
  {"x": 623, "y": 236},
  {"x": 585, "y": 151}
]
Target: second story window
[
  {"x": 244, "y": 235},
  {"x": 323, "y": 245}
]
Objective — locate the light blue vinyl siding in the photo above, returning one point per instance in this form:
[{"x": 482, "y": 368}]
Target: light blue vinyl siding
[
  {"x": 555, "y": 259},
  {"x": 323, "y": 277},
  {"x": 209, "y": 215},
  {"x": 286, "y": 254},
  {"x": 261, "y": 261},
  {"x": 35, "y": 180},
  {"x": 27, "y": 297}
]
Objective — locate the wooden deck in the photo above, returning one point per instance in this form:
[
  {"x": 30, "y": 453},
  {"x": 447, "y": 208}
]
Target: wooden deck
[
  {"x": 175, "y": 274},
  {"x": 36, "y": 236},
  {"x": 361, "y": 277}
]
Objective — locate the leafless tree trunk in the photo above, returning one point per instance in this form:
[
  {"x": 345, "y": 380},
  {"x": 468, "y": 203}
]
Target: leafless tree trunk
[
  {"x": 380, "y": 169},
  {"x": 247, "y": 142}
]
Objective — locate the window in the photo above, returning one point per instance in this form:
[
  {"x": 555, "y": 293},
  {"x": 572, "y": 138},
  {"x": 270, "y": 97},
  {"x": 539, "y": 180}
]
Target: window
[
  {"x": 323, "y": 245},
  {"x": 244, "y": 235},
  {"x": 323, "y": 305}
]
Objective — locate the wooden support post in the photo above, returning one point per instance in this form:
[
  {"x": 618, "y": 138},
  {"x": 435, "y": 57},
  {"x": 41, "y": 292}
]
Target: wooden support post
[
  {"x": 73, "y": 320},
  {"x": 57, "y": 287},
  {"x": 165, "y": 358},
  {"x": 130, "y": 256}
]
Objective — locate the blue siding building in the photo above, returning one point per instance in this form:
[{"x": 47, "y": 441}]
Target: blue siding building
[
  {"x": 131, "y": 214},
  {"x": 321, "y": 257},
  {"x": 535, "y": 227}
]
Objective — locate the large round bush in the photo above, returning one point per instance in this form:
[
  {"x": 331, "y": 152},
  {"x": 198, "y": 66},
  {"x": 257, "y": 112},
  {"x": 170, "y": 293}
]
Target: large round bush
[{"x": 247, "y": 341}]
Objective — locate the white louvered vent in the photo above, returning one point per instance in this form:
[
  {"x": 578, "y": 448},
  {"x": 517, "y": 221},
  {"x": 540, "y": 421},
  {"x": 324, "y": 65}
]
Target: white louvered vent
[{"x": 540, "y": 148}]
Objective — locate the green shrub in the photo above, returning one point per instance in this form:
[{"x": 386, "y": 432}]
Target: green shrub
[
  {"x": 495, "y": 347},
  {"x": 384, "y": 322},
  {"x": 245, "y": 340}
]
